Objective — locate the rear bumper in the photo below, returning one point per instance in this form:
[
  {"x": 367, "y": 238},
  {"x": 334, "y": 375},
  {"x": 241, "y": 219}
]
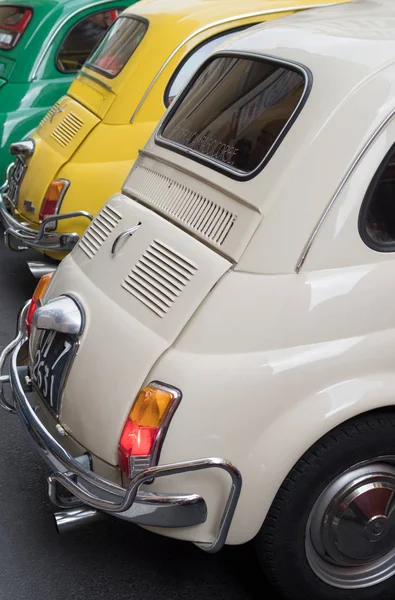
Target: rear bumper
[
  {"x": 71, "y": 469},
  {"x": 21, "y": 236}
]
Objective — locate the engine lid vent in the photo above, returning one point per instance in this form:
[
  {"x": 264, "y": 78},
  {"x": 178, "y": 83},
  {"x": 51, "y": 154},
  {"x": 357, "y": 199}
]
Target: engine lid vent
[
  {"x": 99, "y": 230},
  {"x": 159, "y": 277},
  {"x": 208, "y": 218},
  {"x": 49, "y": 114},
  {"x": 67, "y": 129}
]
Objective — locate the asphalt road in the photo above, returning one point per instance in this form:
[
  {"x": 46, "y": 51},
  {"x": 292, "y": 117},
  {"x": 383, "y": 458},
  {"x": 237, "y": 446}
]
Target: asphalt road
[{"x": 110, "y": 560}]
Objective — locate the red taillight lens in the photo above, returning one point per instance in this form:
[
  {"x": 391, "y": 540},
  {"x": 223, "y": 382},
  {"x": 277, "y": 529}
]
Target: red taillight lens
[
  {"x": 144, "y": 429},
  {"x": 35, "y": 301},
  {"x": 13, "y": 23},
  {"x": 29, "y": 318},
  {"x": 53, "y": 198}
]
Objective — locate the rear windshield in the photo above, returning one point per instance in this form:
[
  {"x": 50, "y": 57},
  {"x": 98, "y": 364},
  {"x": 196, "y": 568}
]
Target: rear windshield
[
  {"x": 13, "y": 22},
  {"x": 118, "y": 46},
  {"x": 235, "y": 112}
]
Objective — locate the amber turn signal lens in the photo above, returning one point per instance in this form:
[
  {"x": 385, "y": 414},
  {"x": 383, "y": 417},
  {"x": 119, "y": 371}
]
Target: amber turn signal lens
[
  {"x": 42, "y": 286},
  {"x": 51, "y": 203},
  {"x": 37, "y": 296},
  {"x": 150, "y": 407}
]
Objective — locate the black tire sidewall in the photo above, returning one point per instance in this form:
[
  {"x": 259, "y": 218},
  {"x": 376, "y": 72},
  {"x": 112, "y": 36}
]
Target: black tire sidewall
[{"x": 281, "y": 542}]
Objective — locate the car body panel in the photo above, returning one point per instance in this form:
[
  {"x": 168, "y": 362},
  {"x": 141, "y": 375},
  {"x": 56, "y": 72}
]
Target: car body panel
[{"x": 128, "y": 119}]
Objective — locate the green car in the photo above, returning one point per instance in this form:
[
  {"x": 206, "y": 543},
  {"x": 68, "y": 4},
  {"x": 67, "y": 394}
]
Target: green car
[{"x": 43, "y": 44}]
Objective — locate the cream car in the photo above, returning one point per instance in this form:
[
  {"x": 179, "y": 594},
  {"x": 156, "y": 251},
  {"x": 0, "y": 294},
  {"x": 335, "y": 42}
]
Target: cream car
[{"x": 215, "y": 359}]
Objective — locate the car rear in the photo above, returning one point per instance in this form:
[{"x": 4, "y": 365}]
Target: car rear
[
  {"x": 139, "y": 276},
  {"x": 34, "y": 190}
]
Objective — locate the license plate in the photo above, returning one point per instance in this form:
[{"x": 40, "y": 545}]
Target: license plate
[
  {"x": 16, "y": 176},
  {"x": 51, "y": 365}
]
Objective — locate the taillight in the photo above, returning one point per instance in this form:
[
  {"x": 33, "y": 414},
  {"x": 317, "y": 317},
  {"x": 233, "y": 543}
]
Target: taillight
[
  {"x": 53, "y": 198},
  {"x": 146, "y": 427},
  {"x": 39, "y": 292},
  {"x": 13, "y": 23}
]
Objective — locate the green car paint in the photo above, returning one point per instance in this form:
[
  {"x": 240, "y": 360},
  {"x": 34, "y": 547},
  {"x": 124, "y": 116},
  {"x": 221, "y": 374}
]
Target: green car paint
[{"x": 30, "y": 82}]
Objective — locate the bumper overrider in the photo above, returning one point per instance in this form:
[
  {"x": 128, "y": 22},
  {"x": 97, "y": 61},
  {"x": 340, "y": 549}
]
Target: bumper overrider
[
  {"x": 20, "y": 236},
  {"x": 90, "y": 494}
]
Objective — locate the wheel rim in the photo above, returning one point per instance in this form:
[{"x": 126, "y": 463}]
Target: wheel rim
[{"x": 350, "y": 534}]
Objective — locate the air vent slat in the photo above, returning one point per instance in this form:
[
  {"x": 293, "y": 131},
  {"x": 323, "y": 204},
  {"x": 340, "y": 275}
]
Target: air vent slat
[
  {"x": 159, "y": 277},
  {"x": 104, "y": 225},
  {"x": 163, "y": 262},
  {"x": 99, "y": 230},
  {"x": 108, "y": 221},
  {"x": 84, "y": 245},
  {"x": 156, "y": 283},
  {"x": 151, "y": 290},
  {"x": 208, "y": 218},
  {"x": 67, "y": 129},
  {"x": 49, "y": 114},
  {"x": 154, "y": 307},
  {"x": 176, "y": 258},
  {"x": 151, "y": 266},
  {"x": 158, "y": 264}
]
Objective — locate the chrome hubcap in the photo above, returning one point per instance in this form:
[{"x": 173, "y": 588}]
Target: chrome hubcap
[{"x": 350, "y": 536}]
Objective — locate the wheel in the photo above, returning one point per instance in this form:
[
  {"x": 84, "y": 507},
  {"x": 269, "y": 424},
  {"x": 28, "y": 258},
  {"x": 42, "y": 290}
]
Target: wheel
[{"x": 330, "y": 532}]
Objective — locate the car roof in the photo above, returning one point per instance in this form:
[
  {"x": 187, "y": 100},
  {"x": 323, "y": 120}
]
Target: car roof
[
  {"x": 360, "y": 33},
  {"x": 206, "y": 11}
]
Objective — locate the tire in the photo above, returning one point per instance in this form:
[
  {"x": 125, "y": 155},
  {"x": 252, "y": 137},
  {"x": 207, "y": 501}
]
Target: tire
[{"x": 330, "y": 532}]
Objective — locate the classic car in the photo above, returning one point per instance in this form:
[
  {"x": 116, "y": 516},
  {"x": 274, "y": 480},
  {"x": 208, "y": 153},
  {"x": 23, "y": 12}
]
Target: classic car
[
  {"x": 214, "y": 359},
  {"x": 86, "y": 145},
  {"x": 43, "y": 43}
]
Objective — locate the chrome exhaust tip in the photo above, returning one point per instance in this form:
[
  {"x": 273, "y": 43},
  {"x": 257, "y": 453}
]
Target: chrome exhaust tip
[
  {"x": 75, "y": 518},
  {"x": 38, "y": 269}
]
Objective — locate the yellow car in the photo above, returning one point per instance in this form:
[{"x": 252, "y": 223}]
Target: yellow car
[{"x": 85, "y": 146}]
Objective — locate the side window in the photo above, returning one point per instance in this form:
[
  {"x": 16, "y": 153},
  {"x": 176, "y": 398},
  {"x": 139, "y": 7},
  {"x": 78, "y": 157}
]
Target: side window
[
  {"x": 193, "y": 60},
  {"x": 377, "y": 216},
  {"x": 82, "y": 39}
]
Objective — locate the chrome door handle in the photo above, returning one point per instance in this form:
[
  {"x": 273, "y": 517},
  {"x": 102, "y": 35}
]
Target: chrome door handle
[{"x": 122, "y": 236}]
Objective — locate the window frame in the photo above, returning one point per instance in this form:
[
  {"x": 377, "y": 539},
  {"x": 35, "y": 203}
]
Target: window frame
[
  {"x": 26, "y": 7},
  {"x": 211, "y": 162},
  {"x": 104, "y": 73},
  {"x": 366, "y": 203},
  {"x": 96, "y": 12},
  {"x": 232, "y": 30}
]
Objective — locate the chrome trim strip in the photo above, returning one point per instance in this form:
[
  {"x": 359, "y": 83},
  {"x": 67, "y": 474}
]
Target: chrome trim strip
[
  {"x": 258, "y": 13},
  {"x": 341, "y": 187},
  {"x": 100, "y": 493},
  {"x": 7, "y": 351},
  {"x": 83, "y": 73},
  {"x": 47, "y": 46}
]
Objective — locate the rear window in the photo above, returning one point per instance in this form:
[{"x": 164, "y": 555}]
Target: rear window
[
  {"x": 13, "y": 23},
  {"x": 118, "y": 45},
  {"x": 235, "y": 112},
  {"x": 82, "y": 39}
]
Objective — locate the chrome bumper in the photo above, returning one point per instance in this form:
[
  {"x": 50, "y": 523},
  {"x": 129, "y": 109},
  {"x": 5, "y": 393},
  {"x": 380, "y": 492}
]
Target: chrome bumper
[
  {"x": 20, "y": 236},
  {"x": 73, "y": 472}
]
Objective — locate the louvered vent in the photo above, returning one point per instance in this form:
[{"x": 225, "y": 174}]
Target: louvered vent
[
  {"x": 67, "y": 129},
  {"x": 208, "y": 218},
  {"x": 49, "y": 114},
  {"x": 159, "y": 277},
  {"x": 99, "y": 230}
]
